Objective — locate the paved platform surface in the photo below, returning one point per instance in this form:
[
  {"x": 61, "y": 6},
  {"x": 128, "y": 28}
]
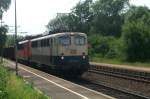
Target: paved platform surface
[
  {"x": 55, "y": 87},
  {"x": 143, "y": 69}
]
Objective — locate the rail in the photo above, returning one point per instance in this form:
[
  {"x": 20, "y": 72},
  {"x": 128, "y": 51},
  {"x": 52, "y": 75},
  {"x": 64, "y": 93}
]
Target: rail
[
  {"x": 138, "y": 75},
  {"x": 131, "y": 75}
]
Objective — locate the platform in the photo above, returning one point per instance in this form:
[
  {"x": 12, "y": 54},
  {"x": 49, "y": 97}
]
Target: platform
[
  {"x": 128, "y": 67},
  {"x": 55, "y": 87}
]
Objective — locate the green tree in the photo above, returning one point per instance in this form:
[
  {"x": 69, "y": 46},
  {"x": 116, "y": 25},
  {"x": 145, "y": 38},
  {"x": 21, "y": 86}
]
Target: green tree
[
  {"x": 3, "y": 31},
  {"x": 58, "y": 24},
  {"x": 10, "y": 40},
  {"x": 84, "y": 15},
  {"x": 4, "y": 5},
  {"x": 136, "y": 34},
  {"x": 78, "y": 20},
  {"x": 108, "y": 16},
  {"x": 62, "y": 23}
]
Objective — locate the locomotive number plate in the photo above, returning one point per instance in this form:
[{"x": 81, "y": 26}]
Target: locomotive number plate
[{"x": 73, "y": 51}]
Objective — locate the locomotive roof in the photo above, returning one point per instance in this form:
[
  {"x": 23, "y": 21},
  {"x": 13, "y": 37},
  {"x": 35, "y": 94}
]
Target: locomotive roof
[
  {"x": 52, "y": 35},
  {"x": 22, "y": 42},
  {"x": 57, "y": 35}
]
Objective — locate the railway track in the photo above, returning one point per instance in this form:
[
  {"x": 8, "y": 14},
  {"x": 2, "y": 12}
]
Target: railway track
[
  {"x": 109, "y": 90},
  {"x": 125, "y": 92},
  {"x": 125, "y": 72},
  {"x": 122, "y": 75},
  {"x": 130, "y": 77}
]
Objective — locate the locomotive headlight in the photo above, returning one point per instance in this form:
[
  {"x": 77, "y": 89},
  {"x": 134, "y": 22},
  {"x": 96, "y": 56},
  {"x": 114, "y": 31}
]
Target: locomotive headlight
[
  {"x": 62, "y": 57},
  {"x": 83, "y": 57}
]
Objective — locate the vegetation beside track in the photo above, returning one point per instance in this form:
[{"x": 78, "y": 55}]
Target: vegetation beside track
[{"x": 13, "y": 87}]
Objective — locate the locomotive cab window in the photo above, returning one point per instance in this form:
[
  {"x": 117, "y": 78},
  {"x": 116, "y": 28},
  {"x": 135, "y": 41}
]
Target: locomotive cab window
[
  {"x": 79, "y": 40},
  {"x": 65, "y": 40},
  {"x": 20, "y": 46}
]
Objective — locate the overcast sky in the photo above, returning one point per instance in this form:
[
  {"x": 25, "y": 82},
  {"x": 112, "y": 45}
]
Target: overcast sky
[{"x": 33, "y": 15}]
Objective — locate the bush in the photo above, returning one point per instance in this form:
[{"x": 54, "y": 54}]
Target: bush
[
  {"x": 3, "y": 82},
  {"x": 105, "y": 46},
  {"x": 98, "y": 44},
  {"x": 111, "y": 54},
  {"x": 137, "y": 39},
  {"x": 18, "y": 89},
  {"x": 12, "y": 87}
]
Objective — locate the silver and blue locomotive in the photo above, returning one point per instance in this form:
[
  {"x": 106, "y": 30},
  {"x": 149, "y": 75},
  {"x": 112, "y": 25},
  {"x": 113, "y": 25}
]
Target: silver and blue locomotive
[{"x": 61, "y": 51}]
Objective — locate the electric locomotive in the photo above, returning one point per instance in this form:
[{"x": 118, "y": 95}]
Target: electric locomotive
[{"x": 62, "y": 51}]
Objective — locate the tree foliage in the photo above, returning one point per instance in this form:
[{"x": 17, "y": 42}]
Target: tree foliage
[
  {"x": 78, "y": 20},
  {"x": 4, "y": 5},
  {"x": 108, "y": 16},
  {"x": 63, "y": 22},
  {"x": 58, "y": 24},
  {"x": 136, "y": 34},
  {"x": 84, "y": 15},
  {"x": 105, "y": 46},
  {"x": 10, "y": 40},
  {"x": 103, "y": 17},
  {"x": 3, "y": 31}
]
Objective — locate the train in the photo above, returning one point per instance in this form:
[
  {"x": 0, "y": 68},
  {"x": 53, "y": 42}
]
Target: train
[{"x": 65, "y": 52}]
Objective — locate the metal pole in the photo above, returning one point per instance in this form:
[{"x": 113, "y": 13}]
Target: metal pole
[{"x": 16, "y": 39}]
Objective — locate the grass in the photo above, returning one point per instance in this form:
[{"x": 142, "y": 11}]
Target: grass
[
  {"x": 14, "y": 87},
  {"x": 119, "y": 62}
]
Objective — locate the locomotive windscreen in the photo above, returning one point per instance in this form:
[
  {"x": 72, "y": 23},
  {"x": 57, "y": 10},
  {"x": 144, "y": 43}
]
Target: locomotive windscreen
[
  {"x": 65, "y": 40},
  {"x": 79, "y": 40}
]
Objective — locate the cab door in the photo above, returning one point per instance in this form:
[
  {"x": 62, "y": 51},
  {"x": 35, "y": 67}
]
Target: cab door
[
  {"x": 51, "y": 50},
  {"x": 54, "y": 49}
]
